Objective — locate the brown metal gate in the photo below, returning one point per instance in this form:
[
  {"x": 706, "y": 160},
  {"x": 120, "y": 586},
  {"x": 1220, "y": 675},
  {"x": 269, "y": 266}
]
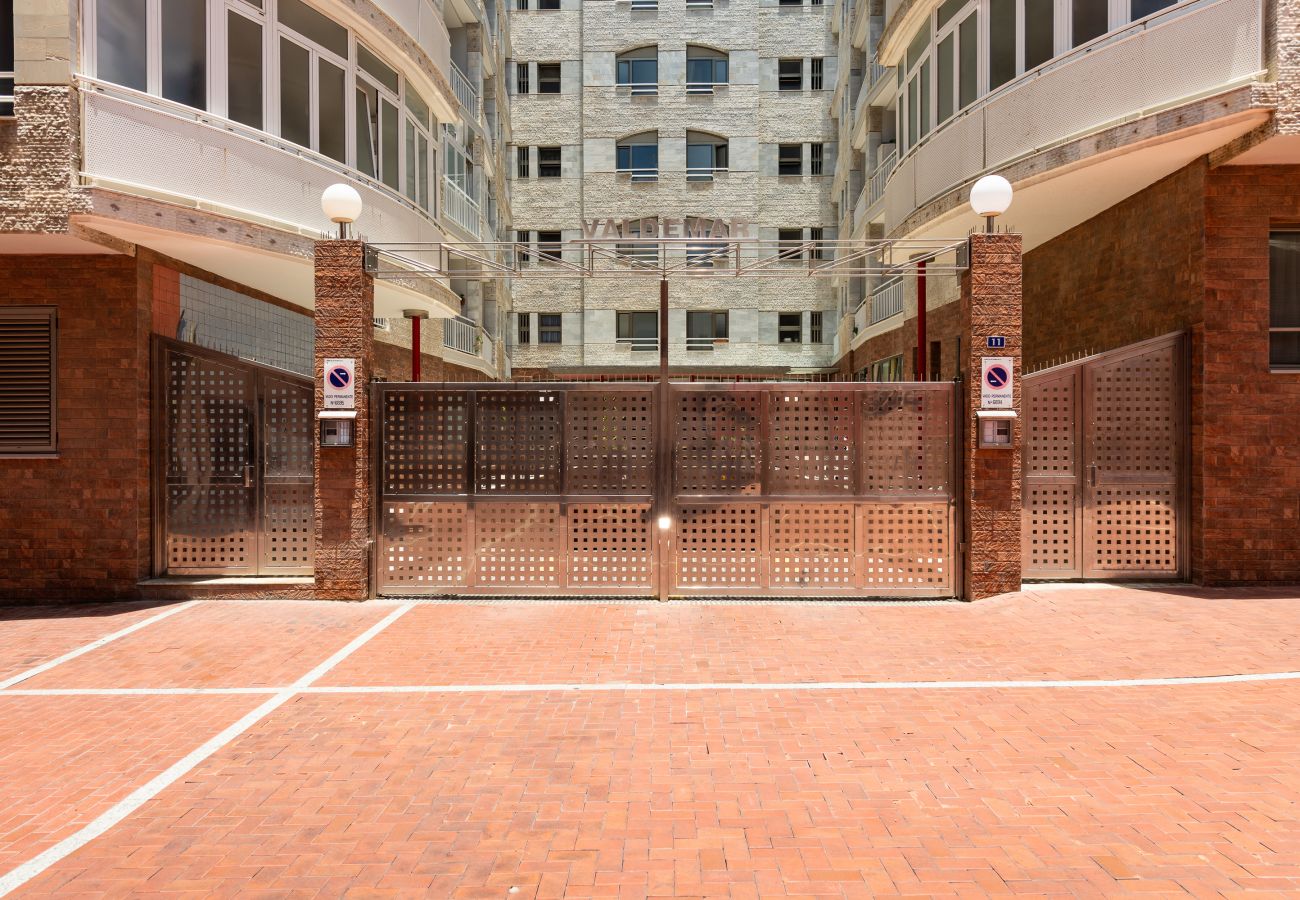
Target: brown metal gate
[
  {"x": 234, "y": 466},
  {"x": 1104, "y": 462},
  {"x": 661, "y": 490}
]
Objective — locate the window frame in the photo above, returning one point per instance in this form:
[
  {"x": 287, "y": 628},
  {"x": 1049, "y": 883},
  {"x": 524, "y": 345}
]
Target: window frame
[
  {"x": 714, "y": 338},
  {"x": 522, "y": 168},
  {"x": 1274, "y": 365},
  {"x": 523, "y": 329},
  {"x": 631, "y": 144},
  {"x": 558, "y": 80},
  {"x": 784, "y": 329},
  {"x": 543, "y": 165},
  {"x": 550, "y": 325},
  {"x": 627, "y": 335},
  {"x": 550, "y": 245},
  {"x": 783, "y": 83},
  {"x": 779, "y": 162}
]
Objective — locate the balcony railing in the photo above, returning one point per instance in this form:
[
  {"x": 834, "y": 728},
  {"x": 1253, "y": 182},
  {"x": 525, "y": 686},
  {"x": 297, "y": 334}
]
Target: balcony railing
[
  {"x": 704, "y": 87},
  {"x": 703, "y": 174},
  {"x": 6, "y": 94},
  {"x": 640, "y": 88},
  {"x": 887, "y": 300},
  {"x": 875, "y": 72},
  {"x": 465, "y": 93},
  {"x": 461, "y": 334},
  {"x": 640, "y": 344},
  {"x": 640, "y": 174},
  {"x": 876, "y": 184},
  {"x": 704, "y": 343},
  {"x": 460, "y": 207}
]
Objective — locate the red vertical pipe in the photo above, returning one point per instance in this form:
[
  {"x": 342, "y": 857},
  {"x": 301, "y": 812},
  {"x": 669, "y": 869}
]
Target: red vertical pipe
[
  {"x": 415, "y": 348},
  {"x": 921, "y": 345}
]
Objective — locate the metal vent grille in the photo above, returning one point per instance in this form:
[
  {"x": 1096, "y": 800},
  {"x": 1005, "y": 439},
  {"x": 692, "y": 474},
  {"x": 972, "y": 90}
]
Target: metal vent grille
[
  {"x": 609, "y": 441},
  {"x": 720, "y": 546},
  {"x": 812, "y": 545},
  {"x": 27, "y": 366},
  {"x": 518, "y": 442},
  {"x": 717, "y": 448},
  {"x": 610, "y": 545},
  {"x": 811, "y": 441},
  {"x": 426, "y": 442}
]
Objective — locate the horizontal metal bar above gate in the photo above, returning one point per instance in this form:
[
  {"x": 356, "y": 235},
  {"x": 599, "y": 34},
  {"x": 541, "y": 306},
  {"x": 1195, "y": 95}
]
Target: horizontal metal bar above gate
[{"x": 663, "y": 258}]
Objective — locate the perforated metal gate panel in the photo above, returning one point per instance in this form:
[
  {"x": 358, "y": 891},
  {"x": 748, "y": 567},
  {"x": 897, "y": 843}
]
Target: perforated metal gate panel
[
  {"x": 236, "y": 457},
  {"x": 1103, "y": 462},
  {"x": 767, "y": 489}
]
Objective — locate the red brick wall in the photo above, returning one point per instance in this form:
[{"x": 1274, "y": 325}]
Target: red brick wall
[
  {"x": 1246, "y": 458},
  {"x": 943, "y": 324},
  {"x": 393, "y": 363},
  {"x": 76, "y": 527},
  {"x": 1133, "y": 272}
]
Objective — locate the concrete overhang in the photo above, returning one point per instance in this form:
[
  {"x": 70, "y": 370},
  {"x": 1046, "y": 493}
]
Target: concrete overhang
[
  {"x": 275, "y": 262},
  {"x": 1064, "y": 186}
]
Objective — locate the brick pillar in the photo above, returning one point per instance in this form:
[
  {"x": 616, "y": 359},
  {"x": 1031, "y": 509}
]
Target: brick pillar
[
  {"x": 345, "y": 303},
  {"x": 991, "y": 307}
]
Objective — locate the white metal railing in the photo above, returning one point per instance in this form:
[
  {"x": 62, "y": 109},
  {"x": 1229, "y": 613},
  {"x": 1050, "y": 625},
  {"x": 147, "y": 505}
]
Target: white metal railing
[
  {"x": 460, "y": 207},
  {"x": 639, "y": 88},
  {"x": 876, "y": 183},
  {"x": 887, "y": 300},
  {"x": 464, "y": 91},
  {"x": 704, "y": 343},
  {"x": 699, "y": 4},
  {"x": 640, "y": 344},
  {"x": 640, "y": 174},
  {"x": 6, "y": 94},
  {"x": 702, "y": 173},
  {"x": 860, "y": 316},
  {"x": 460, "y": 334},
  {"x": 875, "y": 72},
  {"x": 703, "y": 87},
  {"x": 645, "y": 4}
]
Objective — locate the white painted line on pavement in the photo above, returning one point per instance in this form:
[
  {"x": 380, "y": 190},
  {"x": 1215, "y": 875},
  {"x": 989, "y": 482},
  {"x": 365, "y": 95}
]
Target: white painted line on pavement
[
  {"x": 795, "y": 685},
  {"x": 94, "y": 645},
  {"x": 136, "y": 692},
  {"x": 24, "y": 873}
]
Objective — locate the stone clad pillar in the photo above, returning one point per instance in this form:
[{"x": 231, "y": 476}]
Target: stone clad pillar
[
  {"x": 345, "y": 304},
  {"x": 991, "y": 307}
]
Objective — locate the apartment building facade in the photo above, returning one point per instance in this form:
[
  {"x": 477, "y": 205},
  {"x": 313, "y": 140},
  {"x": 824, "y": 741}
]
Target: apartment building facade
[{"x": 682, "y": 119}]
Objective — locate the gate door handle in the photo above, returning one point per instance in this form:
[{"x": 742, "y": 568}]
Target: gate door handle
[
  {"x": 248, "y": 476},
  {"x": 1092, "y": 475}
]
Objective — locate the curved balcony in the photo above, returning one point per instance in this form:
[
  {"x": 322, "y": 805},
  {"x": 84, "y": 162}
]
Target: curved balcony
[
  {"x": 1186, "y": 54},
  {"x": 140, "y": 145}
]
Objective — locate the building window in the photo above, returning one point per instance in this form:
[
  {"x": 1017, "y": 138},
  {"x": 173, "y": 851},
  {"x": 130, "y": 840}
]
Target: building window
[
  {"x": 638, "y": 156},
  {"x": 789, "y": 159},
  {"x": 791, "y": 2},
  {"x": 789, "y": 328},
  {"x": 27, "y": 403},
  {"x": 548, "y": 78},
  {"x": 550, "y": 245},
  {"x": 550, "y": 329},
  {"x": 121, "y": 43},
  {"x": 521, "y": 78},
  {"x": 244, "y": 70},
  {"x": 816, "y": 236},
  {"x": 1089, "y": 19},
  {"x": 789, "y": 74},
  {"x": 378, "y": 87},
  {"x": 639, "y": 329},
  {"x": 638, "y": 71},
  {"x": 548, "y": 162},
  {"x": 521, "y": 162},
  {"x": 816, "y": 70},
  {"x": 521, "y": 248},
  {"x": 704, "y": 330},
  {"x": 548, "y": 5},
  {"x": 1284, "y": 299},
  {"x": 815, "y": 328},
  {"x": 705, "y": 69},
  {"x": 791, "y": 243},
  {"x": 707, "y": 254},
  {"x": 890, "y": 369},
  {"x": 421, "y": 155},
  {"x": 525, "y": 328},
  {"x": 521, "y": 5},
  {"x": 185, "y": 52},
  {"x": 706, "y": 155},
  {"x": 815, "y": 157},
  {"x": 935, "y": 360}
]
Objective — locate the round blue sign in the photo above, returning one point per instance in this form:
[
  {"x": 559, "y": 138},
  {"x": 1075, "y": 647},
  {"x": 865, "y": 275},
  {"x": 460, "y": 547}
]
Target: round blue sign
[
  {"x": 997, "y": 376},
  {"x": 339, "y": 377}
]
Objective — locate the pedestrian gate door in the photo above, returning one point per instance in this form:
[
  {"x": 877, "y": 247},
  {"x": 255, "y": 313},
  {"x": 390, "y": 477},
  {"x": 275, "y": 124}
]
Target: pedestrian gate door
[
  {"x": 235, "y": 456},
  {"x": 676, "y": 489},
  {"x": 1103, "y": 492}
]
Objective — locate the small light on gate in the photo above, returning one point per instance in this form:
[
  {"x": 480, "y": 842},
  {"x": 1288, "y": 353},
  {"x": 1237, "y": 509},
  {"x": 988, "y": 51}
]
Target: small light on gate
[{"x": 665, "y": 523}]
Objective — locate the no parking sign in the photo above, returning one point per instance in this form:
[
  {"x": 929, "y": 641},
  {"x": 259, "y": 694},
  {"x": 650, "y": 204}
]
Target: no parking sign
[
  {"x": 340, "y": 383},
  {"x": 995, "y": 382}
]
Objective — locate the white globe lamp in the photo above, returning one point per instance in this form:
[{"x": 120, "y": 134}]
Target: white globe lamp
[
  {"x": 341, "y": 204},
  {"x": 990, "y": 198}
]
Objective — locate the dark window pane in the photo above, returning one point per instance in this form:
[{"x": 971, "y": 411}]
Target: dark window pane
[
  {"x": 1284, "y": 279},
  {"x": 1039, "y": 38},
  {"x": 295, "y": 93},
  {"x": 377, "y": 69},
  {"x": 314, "y": 26},
  {"x": 1284, "y": 349},
  {"x": 548, "y": 78},
  {"x": 521, "y": 166},
  {"x": 333, "y": 114},
  {"x": 120, "y": 46},
  {"x": 244, "y": 67},
  {"x": 185, "y": 52},
  {"x": 1002, "y": 42},
  {"x": 1140, "y": 9},
  {"x": 367, "y": 113},
  {"x": 1089, "y": 20},
  {"x": 548, "y": 162},
  {"x": 968, "y": 61},
  {"x": 944, "y": 74},
  {"x": 389, "y": 130}
]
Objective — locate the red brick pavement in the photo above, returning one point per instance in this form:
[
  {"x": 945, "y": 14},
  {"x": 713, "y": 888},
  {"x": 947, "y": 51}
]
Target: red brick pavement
[
  {"x": 1052, "y": 791},
  {"x": 1051, "y": 632},
  {"x": 32, "y": 635},
  {"x": 64, "y": 760},
  {"x": 731, "y": 794},
  {"x": 218, "y": 645}
]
